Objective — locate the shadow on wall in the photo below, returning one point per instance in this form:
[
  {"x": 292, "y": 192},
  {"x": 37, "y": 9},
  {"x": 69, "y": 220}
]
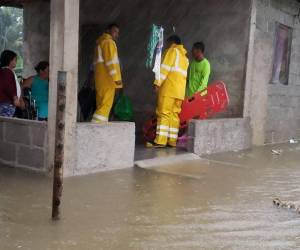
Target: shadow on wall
[{"x": 222, "y": 25}]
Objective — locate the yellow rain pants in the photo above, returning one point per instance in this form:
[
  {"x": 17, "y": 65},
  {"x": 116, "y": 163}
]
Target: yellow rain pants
[{"x": 168, "y": 122}]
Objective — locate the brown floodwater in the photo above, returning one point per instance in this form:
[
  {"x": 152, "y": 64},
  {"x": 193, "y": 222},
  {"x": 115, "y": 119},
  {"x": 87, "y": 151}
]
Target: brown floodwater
[{"x": 221, "y": 202}]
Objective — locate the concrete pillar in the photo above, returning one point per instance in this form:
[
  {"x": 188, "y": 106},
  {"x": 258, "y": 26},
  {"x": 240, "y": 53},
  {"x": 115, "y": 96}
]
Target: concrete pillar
[
  {"x": 262, "y": 70},
  {"x": 64, "y": 39},
  {"x": 258, "y": 76},
  {"x": 249, "y": 63},
  {"x": 56, "y": 63},
  {"x": 70, "y": 65}
]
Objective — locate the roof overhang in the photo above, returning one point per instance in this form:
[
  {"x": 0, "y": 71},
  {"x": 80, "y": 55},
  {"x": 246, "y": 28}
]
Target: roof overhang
[{"x": 18, "y": 3}]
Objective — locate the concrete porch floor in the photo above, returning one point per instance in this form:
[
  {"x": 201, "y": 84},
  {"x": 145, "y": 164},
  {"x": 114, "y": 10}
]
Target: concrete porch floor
[{"x": 223, "y": 201}]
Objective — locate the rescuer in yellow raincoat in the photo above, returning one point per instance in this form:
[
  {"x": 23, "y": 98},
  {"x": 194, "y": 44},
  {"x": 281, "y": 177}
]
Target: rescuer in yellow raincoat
[
  {"x": 171, "y": 91},
  {"x": 107, "y": 73}
]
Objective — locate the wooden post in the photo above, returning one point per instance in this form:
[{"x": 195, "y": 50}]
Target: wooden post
[{"x": 59, "y": 144}]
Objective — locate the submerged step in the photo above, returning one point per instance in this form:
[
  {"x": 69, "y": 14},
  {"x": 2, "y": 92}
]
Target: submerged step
[{"x": 167, "y": 160}]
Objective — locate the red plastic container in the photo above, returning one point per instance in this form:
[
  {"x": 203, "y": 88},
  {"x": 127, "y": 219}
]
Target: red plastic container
[{"x": 202, "y": 105}]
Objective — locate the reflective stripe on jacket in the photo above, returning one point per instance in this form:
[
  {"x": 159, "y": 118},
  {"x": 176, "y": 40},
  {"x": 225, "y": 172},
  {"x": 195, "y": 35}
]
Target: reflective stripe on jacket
[
  {"x": 173, "y": 74},
  {"x": 107, "y": 66}
]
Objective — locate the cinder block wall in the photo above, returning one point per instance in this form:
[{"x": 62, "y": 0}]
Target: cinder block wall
[
  {"x": 104, "y": 147},
  {"x": 23, "y": 144},
  {"x": 282, "y": 119},
  {"x": 222, "y": 25}
]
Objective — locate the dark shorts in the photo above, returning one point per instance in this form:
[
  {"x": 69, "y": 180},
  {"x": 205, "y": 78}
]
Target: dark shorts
[{"x": 43, "y": 119}]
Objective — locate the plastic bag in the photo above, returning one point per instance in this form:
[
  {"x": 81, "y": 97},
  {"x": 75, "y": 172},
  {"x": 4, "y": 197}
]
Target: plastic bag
[{"x": 123, "y": 109}]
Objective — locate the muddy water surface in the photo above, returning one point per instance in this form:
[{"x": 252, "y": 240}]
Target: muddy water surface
[{"x": 221, "y": 202}]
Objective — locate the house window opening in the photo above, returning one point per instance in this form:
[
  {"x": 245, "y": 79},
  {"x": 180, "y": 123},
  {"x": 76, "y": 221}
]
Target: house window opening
[{"x": 282, "y": 54}]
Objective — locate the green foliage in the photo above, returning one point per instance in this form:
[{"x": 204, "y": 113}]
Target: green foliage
[
  {"x": 11, "y": 30},
  {"x": 19, "y": 67}
]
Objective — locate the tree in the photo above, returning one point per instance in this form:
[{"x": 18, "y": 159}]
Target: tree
[{"x": 11, "y": 29}]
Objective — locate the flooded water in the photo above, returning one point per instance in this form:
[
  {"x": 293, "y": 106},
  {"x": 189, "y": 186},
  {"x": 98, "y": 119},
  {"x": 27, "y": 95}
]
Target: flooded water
[{"x": 222, "y": 202}]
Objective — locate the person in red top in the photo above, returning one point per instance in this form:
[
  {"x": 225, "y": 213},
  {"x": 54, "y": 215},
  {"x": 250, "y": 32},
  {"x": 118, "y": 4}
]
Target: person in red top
[{"x": 10, "y": 91}]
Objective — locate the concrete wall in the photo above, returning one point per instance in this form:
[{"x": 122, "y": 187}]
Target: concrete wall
[
  {"x": 222, "y": 25},
  {"x": 219, "y": 135},
  {"x": 23, "y": 144},
  {"x": 274, "y": 108},
  {"x": 103, "y": 147},
  {"x": 36, "y": 34}
]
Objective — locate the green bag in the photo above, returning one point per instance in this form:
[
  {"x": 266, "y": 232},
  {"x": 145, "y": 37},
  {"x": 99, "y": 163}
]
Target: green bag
[{"x": 123, "y": 109}]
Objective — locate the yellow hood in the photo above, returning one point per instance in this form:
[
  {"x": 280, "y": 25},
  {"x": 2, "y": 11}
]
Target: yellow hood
[
  {"x": 104, "y": 36},
  {"x": 180, "y": 48}
]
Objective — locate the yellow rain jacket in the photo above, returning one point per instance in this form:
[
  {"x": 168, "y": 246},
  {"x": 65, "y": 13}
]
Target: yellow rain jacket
[
  {"x": 173, "y": 73},
  {"x": 107, "y": 66}
]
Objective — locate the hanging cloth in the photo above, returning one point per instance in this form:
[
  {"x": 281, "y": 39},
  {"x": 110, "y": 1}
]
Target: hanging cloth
[
  {"x": 158, "y": 54},
  {"x": 152, "y": 44}
]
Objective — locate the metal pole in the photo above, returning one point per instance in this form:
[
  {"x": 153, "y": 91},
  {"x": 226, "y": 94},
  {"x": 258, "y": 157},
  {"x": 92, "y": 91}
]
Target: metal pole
[{"x": 59, "y": 144}]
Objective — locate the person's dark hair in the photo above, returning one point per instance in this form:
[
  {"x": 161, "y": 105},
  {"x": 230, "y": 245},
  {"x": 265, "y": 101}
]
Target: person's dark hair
[
  {"x": 41, "y": 66},
  {"x": 112, "y": 25},
  {"x": 174, "y": 39},
  {"x": 6, "y": 57},
  {"x": 199, "y": 46}
]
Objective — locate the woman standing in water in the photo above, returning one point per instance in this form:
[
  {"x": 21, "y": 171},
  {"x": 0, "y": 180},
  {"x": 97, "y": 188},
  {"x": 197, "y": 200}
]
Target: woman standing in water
[
  {"x": 10, "y": 91},
  {"x": 39, "y": 85}
]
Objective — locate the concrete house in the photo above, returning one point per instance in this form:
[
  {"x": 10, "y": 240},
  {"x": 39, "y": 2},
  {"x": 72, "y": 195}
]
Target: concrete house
[{"x": 253, "y": 46}]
